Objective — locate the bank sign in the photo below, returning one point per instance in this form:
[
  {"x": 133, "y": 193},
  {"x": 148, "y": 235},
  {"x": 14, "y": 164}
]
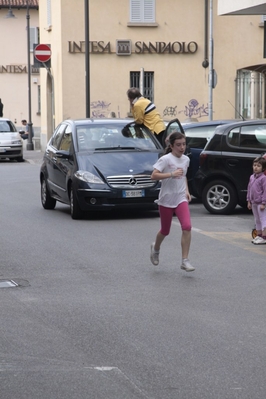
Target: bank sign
[{"x": 126, "y": 47}]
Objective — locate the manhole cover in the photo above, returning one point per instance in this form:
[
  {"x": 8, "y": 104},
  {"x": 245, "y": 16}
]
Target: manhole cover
[{"x": 8, "y": 284}]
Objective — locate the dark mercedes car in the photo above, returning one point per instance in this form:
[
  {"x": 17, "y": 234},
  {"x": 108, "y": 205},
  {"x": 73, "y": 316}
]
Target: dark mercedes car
[
  {"x": 100, "y": 164},
  {"x": 226, "y": 165}
]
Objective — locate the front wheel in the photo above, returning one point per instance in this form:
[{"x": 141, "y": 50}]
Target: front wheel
[
  {"x": 219, "y": 197},
  {"x": 75, "y": 210},
  {"x": 47, "y": 201}
]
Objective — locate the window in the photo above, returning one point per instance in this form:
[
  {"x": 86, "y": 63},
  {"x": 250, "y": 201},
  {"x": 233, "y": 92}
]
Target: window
[
  {"x": 142, "y": 11},
  {"x": 34, "y": 37},
  {"x": 57, "y": 135},
  {"x": 66, "y": 141},
  {"x": 233, "y": 137},
  {"x": 146, "y": 86},
  {"x": 253, "y": 136},
  {"x": 249, "y": 94},
  {"x": 198, "y": 137},
  {"x": 49, "y": 17}
]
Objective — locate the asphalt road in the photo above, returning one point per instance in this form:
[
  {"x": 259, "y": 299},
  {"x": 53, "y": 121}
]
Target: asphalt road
[{"x": 92, "y": 318}]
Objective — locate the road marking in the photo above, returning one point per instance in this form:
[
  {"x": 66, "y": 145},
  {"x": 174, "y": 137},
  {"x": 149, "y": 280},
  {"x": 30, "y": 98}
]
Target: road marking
[{"x": 236, "y": 238}]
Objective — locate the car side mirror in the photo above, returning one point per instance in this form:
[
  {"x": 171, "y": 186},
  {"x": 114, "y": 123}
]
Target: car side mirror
[{"x": 63, "y": 154}]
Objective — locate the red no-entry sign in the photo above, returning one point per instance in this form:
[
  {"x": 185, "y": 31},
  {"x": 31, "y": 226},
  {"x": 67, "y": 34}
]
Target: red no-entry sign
[{"x": 42, "y": 52}]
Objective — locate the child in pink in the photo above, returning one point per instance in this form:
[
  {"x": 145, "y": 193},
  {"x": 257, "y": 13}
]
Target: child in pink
[{"x": 256, "y": 197}]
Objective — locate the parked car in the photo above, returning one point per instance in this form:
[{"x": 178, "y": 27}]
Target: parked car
[
  {"x": 100, "y": 164},
  {"x": 226, "y": 165},
  {"x": 197, "y": 135},
  {"x": 11, "y": 144}
]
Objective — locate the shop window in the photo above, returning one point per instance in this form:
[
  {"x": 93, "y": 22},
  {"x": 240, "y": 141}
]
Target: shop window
[
  {"x": 142, "y": 11},
  {"x": 144, "y": 82}
]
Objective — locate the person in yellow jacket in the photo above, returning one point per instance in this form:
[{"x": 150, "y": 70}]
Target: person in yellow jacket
[{"x": 145, "y": 113}]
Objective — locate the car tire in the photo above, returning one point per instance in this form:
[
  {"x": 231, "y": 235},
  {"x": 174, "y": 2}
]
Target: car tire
[
  {"x": 75, "y": 210},
  {"x": 219, "y": 197},
  {"x": 47, "y": 201},
  {"x": 19, "y": 159}
]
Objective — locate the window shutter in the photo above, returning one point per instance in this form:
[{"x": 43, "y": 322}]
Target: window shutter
[
  {"x": 135, "y": 11},
  {"x": 142, "y": 11},
  {"x": 149, "y": 12},
  {"x": 49, "y": 17}
]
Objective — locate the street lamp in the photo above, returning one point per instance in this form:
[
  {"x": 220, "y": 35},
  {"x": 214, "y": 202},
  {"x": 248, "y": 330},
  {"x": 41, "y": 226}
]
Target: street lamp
[
  {"x": 29, "y": 143},
  {"x": 10, "y": 12}
]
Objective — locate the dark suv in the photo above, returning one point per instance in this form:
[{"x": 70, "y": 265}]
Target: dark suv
[
  {"x": 226, "y": 164},
  {"x": 197, "y": 135}
]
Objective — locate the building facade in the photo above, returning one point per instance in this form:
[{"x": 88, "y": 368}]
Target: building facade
[
  {"x": 165, "y": 47},
  {"x": 14, "y": 77}
]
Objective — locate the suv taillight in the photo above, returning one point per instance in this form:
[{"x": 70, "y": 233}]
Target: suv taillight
[{"x": 202, "y": 158}]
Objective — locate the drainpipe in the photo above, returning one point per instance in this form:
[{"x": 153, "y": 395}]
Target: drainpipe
[
  {"x": 205, "y": 62},
  {"x": 211, "y": 62}
]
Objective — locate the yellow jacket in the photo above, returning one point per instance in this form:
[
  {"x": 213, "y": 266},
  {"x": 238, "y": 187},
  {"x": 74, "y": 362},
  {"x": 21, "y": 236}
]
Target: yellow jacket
[{"x": 144, "y": 112}]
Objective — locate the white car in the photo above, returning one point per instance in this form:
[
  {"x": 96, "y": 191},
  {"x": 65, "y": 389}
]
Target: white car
[{"x": 11, "y": 144}]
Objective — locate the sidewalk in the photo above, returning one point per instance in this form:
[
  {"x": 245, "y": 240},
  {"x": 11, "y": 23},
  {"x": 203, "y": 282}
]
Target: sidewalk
[{"x": 33, "y": 156}]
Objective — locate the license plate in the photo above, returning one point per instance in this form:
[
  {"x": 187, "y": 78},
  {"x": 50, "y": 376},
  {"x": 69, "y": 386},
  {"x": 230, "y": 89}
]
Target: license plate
[
  {"x": 133, "y": 193},
  {"x": 2, "y": 150}
]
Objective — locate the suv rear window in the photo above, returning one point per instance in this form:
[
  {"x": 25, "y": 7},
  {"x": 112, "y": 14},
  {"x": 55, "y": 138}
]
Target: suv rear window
[
  {"x": 248, "y": 137},
  {"x": 198, "y": 137}
]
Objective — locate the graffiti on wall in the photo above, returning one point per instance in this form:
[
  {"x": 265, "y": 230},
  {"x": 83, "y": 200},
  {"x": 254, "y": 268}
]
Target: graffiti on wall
[
  {"x": 169, "y": 111},
  {"x": 194, "y": 109},
  {"x": 100, "y": 109}
]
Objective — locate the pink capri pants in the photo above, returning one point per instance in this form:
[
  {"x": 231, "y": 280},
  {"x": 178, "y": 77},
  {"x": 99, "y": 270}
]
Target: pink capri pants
[{"x": 181, "y": 212}]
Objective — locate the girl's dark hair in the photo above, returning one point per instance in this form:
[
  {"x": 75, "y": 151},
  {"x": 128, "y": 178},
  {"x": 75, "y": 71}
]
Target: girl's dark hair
[
  {"x": 261, "y": 161},
  {"x": 171, "y": 139}
]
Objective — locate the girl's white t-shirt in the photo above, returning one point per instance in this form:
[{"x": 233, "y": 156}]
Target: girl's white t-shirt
[{"x": 173, "y": 190}]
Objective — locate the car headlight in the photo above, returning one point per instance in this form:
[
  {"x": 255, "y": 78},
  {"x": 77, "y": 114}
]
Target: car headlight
[
  {"x": 88, "y": 177},
  {"x": 15, "y": 142}
]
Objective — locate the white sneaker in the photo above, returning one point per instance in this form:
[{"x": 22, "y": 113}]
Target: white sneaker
[
  {"x": 255, "y": 239},
  {"x": 187, "y": 266},
  {"x": 259, "y": 241},
  {"x": 154, "y": 257}
]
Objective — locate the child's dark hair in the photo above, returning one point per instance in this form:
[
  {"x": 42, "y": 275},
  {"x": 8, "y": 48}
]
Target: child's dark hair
[
  {"x": 176, "y": 135},
  {"x": 261, "y": 161}
]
